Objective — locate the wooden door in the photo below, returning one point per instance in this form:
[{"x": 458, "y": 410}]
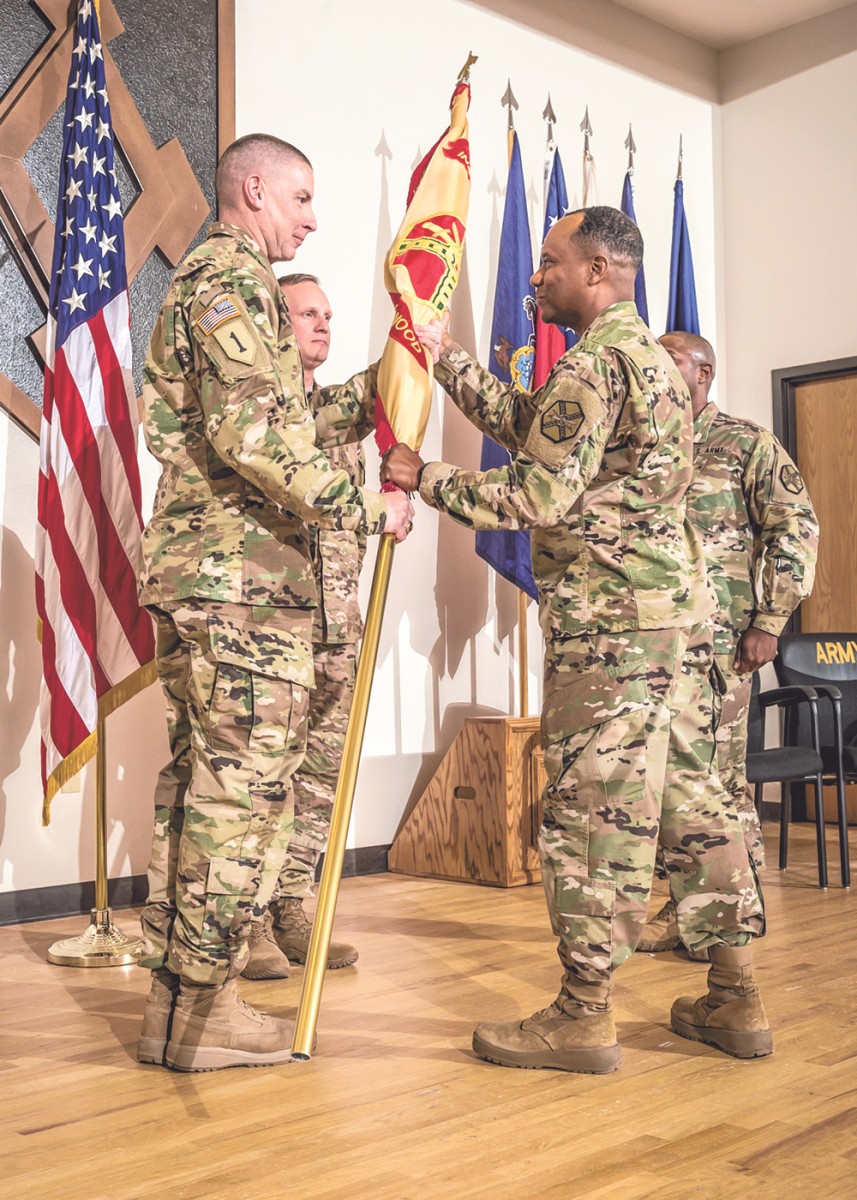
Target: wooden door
[{"x": 826, "y": 427}]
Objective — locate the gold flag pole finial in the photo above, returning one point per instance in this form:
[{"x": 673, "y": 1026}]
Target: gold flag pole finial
[{"x": 464, "y": 73}]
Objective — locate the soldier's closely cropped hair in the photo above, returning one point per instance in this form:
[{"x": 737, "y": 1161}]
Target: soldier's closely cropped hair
[
  {"x": 609, "y": 229},
  {"x": 296, "y": 278},
  {"x": 248, "y": 153}
]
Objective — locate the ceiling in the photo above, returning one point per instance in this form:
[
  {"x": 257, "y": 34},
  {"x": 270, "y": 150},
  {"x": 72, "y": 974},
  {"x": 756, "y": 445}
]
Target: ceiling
[{"x": 724, "y": 23}]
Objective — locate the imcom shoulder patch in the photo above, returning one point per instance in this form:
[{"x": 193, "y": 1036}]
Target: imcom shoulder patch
[
  {"x": 571, "y": 411},
  {"x": 790, "y": 479}
]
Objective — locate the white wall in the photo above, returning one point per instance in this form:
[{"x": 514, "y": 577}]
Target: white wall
[
  {"x": 789, "y": 182},
  {"x": 334, "y": 78}
]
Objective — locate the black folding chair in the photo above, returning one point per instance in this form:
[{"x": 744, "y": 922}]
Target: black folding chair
[
  {"x": 827, "y": 662},
  {"x": 788, "y": 763}
]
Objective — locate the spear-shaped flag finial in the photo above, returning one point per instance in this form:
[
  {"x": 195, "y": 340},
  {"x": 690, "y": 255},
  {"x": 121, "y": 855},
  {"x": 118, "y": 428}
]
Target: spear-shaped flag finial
[
  {"x": 509, "y": 102},
  {"x": 680, "y": 155},
  {"x": 464, "y": 73},
  {"x": 550, "y": 116},
  {"x": 586, "y": 130},
  {"x": 631, "y": 147}
]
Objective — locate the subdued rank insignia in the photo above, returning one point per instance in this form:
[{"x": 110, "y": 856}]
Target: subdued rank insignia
[
  {"x": 790, "y": 479},
  {"x": 236, "y": 340},
  {"x": 221, "y": 310},
  {"x": 562, "y": 421}
]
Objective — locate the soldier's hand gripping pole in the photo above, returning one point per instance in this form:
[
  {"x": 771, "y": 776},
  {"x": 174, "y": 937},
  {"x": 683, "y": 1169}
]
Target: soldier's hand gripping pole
[{"x": 316, "y": 963}]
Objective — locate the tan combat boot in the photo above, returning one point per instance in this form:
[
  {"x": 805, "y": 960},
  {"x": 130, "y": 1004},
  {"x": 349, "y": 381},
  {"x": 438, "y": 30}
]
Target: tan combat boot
[
  {"x": 214, "y": 1028},
  {"x": 265, "y": 959},
  {"x": 661, "y": 932},
  {"x": 568, "y": 1036},
  {"x": 157, "y": 1017},
  {"x": 292, "y": 931},
  {"x": 731, "y": 1016}
]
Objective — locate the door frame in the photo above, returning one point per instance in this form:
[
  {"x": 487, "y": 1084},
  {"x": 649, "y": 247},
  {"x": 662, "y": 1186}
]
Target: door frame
[{"x": 785, "y": 383}]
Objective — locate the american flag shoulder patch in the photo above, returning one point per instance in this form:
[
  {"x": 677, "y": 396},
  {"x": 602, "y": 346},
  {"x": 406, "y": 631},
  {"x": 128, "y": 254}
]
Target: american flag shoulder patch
[{"x": 222, "y": 309}]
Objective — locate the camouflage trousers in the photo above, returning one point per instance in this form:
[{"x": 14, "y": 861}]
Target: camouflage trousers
[
  {"x": 732, "y": 754},
  {"x": 315, "y": 780},
  {"x": 731, "y": 740},
  {"x": 223, "y": 803},
  {"x": 628, "y": 729}
]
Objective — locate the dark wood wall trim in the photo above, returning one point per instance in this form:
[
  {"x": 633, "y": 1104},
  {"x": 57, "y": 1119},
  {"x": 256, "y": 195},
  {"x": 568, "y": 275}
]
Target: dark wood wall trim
[
  {"x": 129, "y": 891},
  {"x": 225, "y": 74}
]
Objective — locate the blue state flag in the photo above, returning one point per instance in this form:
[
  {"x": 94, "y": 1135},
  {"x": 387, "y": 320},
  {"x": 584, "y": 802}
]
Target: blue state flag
[
  {"x": 511, "y": 360},
  {"x": 682, "y": 312},
  {"x": 640, "y": 282}
]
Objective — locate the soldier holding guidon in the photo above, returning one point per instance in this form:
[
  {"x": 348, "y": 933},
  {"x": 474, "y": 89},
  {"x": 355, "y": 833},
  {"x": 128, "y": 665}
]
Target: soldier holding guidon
[
  {"x": 227, "y": 574},
  {"x": 602, "y": 464}
]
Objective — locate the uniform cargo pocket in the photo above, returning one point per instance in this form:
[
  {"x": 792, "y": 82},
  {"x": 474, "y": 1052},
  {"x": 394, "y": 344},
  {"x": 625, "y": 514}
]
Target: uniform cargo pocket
[
  {"x": 256, "y": 706},
  {"x": 588, "y": 700}
]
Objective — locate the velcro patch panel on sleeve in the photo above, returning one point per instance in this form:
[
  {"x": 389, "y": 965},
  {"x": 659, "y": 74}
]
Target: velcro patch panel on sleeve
[
  {"x": 568, "y": 414},
  {"x": 220, "y": 310}
]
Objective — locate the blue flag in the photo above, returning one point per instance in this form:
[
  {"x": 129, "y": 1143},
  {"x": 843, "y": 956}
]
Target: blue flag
[
  {"x": 640, "y": 282},
  {"x": 511, "y": 360},
  {"x": 681, "y": 313}
]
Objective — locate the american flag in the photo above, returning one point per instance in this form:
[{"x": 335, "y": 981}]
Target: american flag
[{"x": 97, "y": 644}]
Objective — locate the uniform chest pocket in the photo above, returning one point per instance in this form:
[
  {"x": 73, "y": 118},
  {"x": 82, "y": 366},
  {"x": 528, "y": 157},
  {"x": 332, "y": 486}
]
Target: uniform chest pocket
[{"x": 716, "y": 500}]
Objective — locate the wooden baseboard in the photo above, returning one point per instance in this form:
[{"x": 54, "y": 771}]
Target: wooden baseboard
[{"x": 129, "y": 891}]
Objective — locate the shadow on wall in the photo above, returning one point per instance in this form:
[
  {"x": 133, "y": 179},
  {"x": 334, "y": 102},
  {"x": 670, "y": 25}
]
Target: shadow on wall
[{"x": 20, "y": 658}]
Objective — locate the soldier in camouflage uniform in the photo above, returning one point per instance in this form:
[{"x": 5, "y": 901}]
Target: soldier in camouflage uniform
[
  {"x": 283, "y": 933},
  {"x": 228, "y": 576},
  {"x": 760, "y": 538},
  {"x": 602, "y": 462}
]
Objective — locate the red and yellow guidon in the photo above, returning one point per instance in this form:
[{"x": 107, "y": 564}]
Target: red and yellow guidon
[{"x": 430, "y": 252}]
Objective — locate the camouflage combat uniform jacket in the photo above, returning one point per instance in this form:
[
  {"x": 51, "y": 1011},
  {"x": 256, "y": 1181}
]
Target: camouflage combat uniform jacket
[
  {"x": 337, "y": 554},
  {"x": 242, "y": 476},
  {"x": 602, "y": 462},
  {"x": 756, "y": 521}
]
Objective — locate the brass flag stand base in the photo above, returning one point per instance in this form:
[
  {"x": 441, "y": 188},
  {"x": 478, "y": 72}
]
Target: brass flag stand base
[{"x": 102, "y": 944}]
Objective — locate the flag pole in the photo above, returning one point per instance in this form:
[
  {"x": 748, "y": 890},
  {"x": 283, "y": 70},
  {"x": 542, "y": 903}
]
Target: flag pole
[
  {"x": 510, "y": 104},
  {"x": 331, "y": 875},
  {"x": 102, "y": 944},
  {"x": 523, "y": 655}
]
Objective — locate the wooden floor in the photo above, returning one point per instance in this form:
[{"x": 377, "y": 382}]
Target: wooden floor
[{"x": 394, "y": 1106}]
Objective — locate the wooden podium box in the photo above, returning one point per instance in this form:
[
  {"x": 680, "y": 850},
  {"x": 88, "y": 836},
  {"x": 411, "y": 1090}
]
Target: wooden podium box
[{"x": 478, "y": 820}]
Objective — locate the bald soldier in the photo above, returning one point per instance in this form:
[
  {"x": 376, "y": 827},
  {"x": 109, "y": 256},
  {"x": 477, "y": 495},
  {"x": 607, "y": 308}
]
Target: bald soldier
[
  {"x": 228, "y": 578},
  {"x": 602, "y": 460},
  {"x": 282, "y": 935},
  {"x": 760, "y": 538}
]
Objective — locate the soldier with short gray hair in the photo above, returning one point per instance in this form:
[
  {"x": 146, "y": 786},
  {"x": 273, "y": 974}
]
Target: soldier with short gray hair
[{"x": 228, "y": 578}]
